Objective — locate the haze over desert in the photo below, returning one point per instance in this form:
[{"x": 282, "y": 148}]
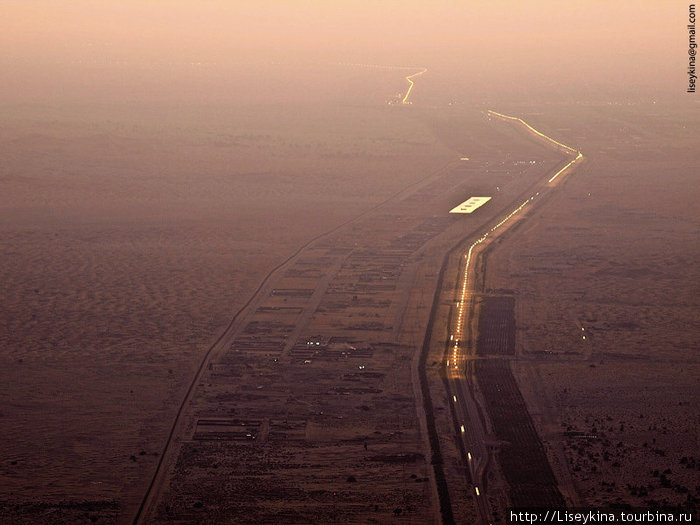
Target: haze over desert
[{"x": 233, "y": 290}]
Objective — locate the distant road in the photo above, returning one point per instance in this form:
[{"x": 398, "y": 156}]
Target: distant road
[
  {"x": 460, "y": 359},
  {"x": 409, "y": 78}
]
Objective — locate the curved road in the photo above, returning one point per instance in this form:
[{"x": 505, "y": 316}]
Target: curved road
[
  {"x": 409, "y": 78},
  {"x": 411, "y": 84},
  {"x": 473, "y": 435},
  {"x": 460, "y": 358}
]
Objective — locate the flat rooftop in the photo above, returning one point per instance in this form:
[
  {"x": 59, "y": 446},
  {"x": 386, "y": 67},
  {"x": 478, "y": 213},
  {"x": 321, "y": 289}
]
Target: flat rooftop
[{"x": 471, "y": 204}]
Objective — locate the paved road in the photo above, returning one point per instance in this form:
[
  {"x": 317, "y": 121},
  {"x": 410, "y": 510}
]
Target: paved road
[{"x": 460, "y": 358}]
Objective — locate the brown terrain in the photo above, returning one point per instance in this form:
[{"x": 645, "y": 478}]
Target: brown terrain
[
  {"x": 219, "y": 313},
  {"x": 129, "y": 241}
]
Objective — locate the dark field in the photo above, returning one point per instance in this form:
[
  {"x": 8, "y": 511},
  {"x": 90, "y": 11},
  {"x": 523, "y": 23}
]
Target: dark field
[{"x": 496, "y": 333}]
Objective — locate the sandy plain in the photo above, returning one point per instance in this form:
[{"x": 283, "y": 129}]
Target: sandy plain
[{"x": 131, "y": 233}]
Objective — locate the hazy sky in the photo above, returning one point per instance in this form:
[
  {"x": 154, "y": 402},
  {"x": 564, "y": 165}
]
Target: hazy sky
[{"x": 635, "y": 44}]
